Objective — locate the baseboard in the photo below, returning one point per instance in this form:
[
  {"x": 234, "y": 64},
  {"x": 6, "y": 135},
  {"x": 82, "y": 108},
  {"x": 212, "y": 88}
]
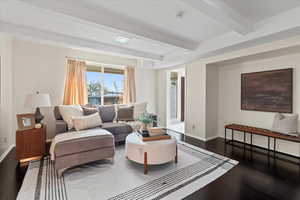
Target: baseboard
[
  {"x": 196, "y": 137},
  {"x": 203, "y": 139},
  {"x": 212, "y": 138},
  {"x": 6, "y": 152}
]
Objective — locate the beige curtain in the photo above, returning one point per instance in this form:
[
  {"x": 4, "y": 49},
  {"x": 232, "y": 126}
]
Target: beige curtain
[
  {"x": 75, "y": 86},
  {"x": 129, "y": 86}
]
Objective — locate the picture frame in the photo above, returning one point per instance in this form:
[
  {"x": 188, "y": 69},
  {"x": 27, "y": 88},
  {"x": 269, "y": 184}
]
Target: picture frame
[
  {"x": 26, "y": 121},
  {"x": 268, "y": 91}
]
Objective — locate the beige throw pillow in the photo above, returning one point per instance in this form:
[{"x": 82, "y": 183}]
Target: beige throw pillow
[
  {"x": 139, "y": 108},
  {"x": 69, "y": 111},
  {"x": 286, "y": 124},
  {"x": 86, "y": 122}
]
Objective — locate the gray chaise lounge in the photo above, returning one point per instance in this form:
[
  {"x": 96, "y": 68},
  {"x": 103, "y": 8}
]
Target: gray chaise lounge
[{"x": 83, "y": 150}]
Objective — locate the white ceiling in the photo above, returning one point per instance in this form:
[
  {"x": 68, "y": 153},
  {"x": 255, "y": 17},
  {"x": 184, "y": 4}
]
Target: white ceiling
[
  {"x": 206, "y": 27},
  {"x": 257, "y": 10},
  {"x": 162, "y": 14}
]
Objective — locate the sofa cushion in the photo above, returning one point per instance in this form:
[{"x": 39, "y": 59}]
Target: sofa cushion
[
  {"x": 119, "y": 130},
  {"x": 107, "y": 113},
  {"x": 125, "y": 113},
  {"x": 89, "y": 110},
  {"x": 285, "y": 124},
  {"x": 139, "y": 108},
  {"x": 69, "y": 111},
  {"x": 87, "y": 122}
]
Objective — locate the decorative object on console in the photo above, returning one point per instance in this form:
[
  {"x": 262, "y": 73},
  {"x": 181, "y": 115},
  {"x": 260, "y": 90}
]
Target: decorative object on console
[
  {"x": 36, "y": 101},
  {"x": 26, "y": 121},
  {"x": 285, "y": 124},
  {"x": 270, "y": 91}
]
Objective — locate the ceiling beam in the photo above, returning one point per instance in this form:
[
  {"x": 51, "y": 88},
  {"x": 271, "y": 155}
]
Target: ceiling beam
[
  {"x": 222, "y": 13},
  {"x": 70, "y": 41},
  {"x": 114, "y": 21}
]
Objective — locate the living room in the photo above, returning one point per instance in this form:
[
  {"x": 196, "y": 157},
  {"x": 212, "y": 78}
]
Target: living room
[{"x": 193, "y": 88}]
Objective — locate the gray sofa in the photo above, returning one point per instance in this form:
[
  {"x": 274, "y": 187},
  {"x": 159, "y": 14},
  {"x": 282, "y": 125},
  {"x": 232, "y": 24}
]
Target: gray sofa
[{"x": 118, "y": 130}]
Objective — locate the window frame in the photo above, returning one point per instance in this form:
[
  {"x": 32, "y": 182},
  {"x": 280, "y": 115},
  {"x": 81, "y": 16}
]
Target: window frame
[{"x": 101, "y": 70}]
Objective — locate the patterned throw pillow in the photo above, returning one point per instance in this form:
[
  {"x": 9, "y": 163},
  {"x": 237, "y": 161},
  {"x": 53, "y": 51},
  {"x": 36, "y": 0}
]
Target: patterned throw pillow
[{"x": 107, "y": 113}]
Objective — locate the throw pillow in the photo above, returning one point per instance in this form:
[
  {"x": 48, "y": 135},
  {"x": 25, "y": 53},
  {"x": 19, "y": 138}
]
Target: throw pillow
[
  {"x": 87, "y": 122},
  {"x": 107, "y": 113},
  {"x": 139, "y": 108},
  {"x": 89, "y": 110},
  {"x": 285, "y": 124},
  {"x": 69, "y": 111},
  {"x": 125, "y": 113}
]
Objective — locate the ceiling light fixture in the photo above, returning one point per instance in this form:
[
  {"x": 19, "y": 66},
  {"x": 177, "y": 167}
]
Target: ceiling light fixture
[
  {"x": 122, "y": 39},
  {"x": 179, "y": 14}
]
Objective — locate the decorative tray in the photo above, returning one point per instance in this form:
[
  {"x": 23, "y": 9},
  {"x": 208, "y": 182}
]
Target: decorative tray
[{"x": 146, "y": 137}]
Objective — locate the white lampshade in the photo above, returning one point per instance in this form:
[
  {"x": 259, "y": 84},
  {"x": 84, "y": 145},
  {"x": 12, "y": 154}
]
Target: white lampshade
[{"x": 37, "y": 100}]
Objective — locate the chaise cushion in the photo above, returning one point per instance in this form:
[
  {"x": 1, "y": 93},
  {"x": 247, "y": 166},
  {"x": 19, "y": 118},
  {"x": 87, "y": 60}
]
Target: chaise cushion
[{"x": 119, "y": 130}]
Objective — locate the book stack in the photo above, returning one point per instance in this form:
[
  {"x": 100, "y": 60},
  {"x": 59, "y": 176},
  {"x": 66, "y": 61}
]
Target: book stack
[{"x": 153, "y": 134}]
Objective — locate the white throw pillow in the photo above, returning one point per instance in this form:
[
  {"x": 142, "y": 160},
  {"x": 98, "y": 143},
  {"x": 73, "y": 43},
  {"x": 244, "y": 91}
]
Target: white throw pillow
[
  {"x": 86, "y": 122},
  {"x": 285, "y": 124},
  {"x": 138, "y": 109},
  {"x": 69, "y": 111}
]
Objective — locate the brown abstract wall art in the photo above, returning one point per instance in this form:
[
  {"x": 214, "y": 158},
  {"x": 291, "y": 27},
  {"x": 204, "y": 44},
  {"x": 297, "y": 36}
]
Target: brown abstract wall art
[{"x": 270, "y": 91}]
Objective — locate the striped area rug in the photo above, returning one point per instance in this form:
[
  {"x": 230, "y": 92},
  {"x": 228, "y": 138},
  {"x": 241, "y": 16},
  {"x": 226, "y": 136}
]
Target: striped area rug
[{"x": 124, "y": 179}]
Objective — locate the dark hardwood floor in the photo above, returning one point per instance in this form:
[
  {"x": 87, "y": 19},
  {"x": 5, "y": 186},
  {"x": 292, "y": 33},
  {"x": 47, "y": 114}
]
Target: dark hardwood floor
[{"x": 257, "y": 177}]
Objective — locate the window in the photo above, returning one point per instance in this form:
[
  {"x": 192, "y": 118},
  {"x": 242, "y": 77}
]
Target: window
[{"x": 105, "y": 85}]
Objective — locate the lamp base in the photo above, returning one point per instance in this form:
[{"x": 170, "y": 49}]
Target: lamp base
[{"x": 38, "y": 116}]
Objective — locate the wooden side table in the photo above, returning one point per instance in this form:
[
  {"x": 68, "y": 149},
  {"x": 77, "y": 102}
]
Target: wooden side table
[{"x": 30, "y": 144}]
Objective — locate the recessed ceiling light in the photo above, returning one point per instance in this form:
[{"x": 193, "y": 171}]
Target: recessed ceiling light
[
  {"x": 122, "y": 40},
  {"x": 180, "y": 14}
]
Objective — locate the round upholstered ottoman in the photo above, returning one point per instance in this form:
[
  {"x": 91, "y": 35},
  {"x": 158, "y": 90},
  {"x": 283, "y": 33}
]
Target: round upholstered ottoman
[{"x": 150, "y": 152}]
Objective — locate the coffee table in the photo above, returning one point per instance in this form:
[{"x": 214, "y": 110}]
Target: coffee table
[{"x": 150, "y": 152}]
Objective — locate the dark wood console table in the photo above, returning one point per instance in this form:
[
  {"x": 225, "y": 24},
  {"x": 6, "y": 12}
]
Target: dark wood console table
[{"x": 259, "y": 131}]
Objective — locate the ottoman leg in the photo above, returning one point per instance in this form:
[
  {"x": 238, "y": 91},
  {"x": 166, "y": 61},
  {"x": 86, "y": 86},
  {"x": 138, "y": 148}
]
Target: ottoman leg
[
  {"x": 145, "y": 163},
  {"x": 176, "y": 155}
]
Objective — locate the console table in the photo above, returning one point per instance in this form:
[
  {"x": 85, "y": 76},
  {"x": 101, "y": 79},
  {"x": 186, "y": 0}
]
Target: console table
[{"x": 258, "y": 131}]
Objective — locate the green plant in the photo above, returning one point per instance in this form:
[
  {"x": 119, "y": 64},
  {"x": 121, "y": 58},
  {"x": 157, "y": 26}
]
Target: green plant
[{"x": 146, "y": 118}]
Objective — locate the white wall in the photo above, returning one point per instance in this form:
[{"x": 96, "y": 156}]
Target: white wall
[
  {"x": 212, "y": 98},
  {"x": 146, "y": 87},
  {"x": 161, "y": 97},
  {"x": 195, "y": 124},
  {"x": 230, "y": 97},
  {"x": 41, "y": 67},
  {"x": 6, "y": 94}
]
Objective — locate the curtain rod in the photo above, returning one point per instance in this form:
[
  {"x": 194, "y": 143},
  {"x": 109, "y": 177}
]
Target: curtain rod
[{"x": 87, "y": 60}]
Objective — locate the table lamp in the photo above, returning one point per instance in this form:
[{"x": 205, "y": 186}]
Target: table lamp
[{"x": 37, "y": 100}]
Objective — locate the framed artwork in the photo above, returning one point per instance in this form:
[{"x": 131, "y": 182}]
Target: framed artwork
[
  {"x": 26, "y": 121},
  {"x": 269, "y": 91}
]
